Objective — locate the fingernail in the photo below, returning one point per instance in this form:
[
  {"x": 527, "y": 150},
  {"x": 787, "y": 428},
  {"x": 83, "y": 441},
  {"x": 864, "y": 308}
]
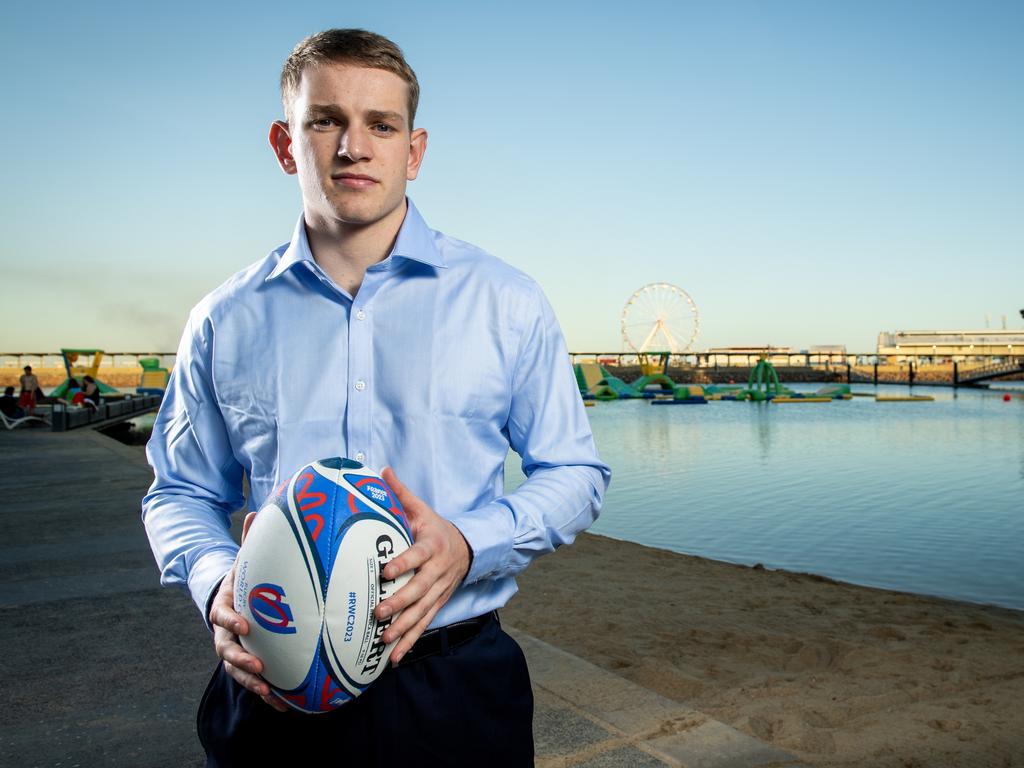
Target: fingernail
[{"x": 384, "y": 611}]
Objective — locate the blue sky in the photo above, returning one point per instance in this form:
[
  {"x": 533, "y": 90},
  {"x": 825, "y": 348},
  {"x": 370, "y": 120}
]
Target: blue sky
[{"x": 811, "y": 173}]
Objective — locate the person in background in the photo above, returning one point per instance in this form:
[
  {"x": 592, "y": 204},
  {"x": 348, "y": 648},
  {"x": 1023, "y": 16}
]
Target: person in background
[
  {"x": 29, "y": 384},
  {"x": 90, "y": 391},
  {"x": 74, "y": 395},
  {"x": 9, "y": 405}
]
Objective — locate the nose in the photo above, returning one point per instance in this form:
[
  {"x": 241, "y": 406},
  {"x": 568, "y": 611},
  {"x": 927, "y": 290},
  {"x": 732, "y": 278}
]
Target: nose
[{"x": 355, "y": 144}]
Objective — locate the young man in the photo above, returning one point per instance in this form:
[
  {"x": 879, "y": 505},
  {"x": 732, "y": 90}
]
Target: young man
[{"x": 370, "y": 336}]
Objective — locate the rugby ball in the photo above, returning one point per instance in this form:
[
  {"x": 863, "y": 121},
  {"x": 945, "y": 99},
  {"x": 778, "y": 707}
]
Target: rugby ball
[{"x": 309, "y": 576}]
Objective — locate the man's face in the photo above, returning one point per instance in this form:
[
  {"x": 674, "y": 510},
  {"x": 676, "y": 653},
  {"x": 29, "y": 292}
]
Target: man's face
[{"x": 350, "y": 143}]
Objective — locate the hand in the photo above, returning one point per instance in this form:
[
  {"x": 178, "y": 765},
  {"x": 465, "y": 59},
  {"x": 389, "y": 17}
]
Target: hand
[
  {"x": 441, "y": 558},
  {"x": 227, "y": 626}
]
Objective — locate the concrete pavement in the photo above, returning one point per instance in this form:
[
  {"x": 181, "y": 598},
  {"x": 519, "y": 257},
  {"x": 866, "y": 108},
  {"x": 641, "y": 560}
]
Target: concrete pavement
[{"x": 103, "y": 667}]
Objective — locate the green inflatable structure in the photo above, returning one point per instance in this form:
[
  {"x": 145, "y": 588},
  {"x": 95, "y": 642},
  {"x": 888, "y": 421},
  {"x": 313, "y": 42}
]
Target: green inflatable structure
[{"x": 763, "y": 383}]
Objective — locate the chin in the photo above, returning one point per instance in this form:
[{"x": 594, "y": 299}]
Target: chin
[{"x": 359, "y": 215}]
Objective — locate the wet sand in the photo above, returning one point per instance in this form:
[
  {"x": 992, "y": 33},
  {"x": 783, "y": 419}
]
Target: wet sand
[{"x": 838, "y": 674}]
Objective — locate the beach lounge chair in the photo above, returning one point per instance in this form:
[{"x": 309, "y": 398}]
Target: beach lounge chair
[{"x": 12, "y": 423}]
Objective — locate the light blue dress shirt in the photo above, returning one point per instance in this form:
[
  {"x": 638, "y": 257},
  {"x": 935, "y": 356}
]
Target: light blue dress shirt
[{"x": 444, "y": 359}]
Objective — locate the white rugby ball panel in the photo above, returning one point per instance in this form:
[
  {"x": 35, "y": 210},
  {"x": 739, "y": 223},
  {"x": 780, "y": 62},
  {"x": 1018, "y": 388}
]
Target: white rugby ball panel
[
  {"x": 277, "y": 593},
  {"x": 352, "y": 636}
]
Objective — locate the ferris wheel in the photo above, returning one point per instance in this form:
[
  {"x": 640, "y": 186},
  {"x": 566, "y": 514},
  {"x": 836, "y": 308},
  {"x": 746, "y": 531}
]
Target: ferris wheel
[{"x": 660, "y": 317}]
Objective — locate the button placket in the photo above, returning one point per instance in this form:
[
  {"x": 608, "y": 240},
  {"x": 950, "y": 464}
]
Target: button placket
[{"x": 360, "y": 334}]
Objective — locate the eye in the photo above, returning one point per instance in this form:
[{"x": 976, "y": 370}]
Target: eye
[
  {"x": 383, "y": 128},
  {"x": 323, "y": 123}
]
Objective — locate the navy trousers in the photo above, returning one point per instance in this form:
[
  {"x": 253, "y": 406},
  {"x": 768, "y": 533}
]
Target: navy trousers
[{"x": 470, "y": 706}]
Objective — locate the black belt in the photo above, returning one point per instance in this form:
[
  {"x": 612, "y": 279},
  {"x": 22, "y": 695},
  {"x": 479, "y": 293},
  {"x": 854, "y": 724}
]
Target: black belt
[{"x": 442, "y": 639}]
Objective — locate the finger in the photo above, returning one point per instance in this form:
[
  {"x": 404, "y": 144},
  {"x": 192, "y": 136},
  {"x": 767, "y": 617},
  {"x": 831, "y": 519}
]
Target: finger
[
  {"x": 410, "y": 618},
  {"x": 222, "y": 609},
  {"x": 411, "y": 503},
  {"x": 227, "y": 647},
  {"x": 409, "y": 638},
  {"x": 412, "y": 591},
  {"x": 247, "y": 680},
  {"x": 275, "y": 702},
  {"x": 413, "y": 557},
  {"x": 247, "y": 523},
  {"x": 223, "y": 615}
]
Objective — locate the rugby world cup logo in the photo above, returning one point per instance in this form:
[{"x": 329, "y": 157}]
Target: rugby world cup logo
[{"x": 266, "y": 602}]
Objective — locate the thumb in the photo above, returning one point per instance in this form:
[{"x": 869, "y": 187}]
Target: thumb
[
  {"x": 247, "y": 524},
  {"x": 411, "y": 503}
]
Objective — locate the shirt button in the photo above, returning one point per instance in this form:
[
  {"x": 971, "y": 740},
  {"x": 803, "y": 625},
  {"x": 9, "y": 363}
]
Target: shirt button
[
  {"x": 360, "y": 385},
  {"x": 360, "y": 315},
  {"x": 360, "y": 457}
]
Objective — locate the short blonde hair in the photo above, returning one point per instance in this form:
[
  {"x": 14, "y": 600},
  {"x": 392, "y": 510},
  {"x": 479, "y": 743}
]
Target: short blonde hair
[{"x": 346, "y": 46}]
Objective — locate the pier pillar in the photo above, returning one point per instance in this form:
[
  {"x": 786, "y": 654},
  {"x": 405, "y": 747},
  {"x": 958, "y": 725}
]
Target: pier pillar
[
  {"x": 849, "y": 374},
  {"x": 956, "y": 375},
  {"x": 876, "y": 374},
  {"x": 910, "y": 369}
]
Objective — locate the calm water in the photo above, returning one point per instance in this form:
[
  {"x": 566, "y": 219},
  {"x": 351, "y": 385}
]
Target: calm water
[{"x": 920, "y": 497}]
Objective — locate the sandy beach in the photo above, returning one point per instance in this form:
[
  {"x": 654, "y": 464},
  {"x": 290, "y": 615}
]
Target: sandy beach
[{"x": 837, "y": 674}]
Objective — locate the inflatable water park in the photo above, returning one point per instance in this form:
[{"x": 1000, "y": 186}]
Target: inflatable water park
[
  {"x": 661, "y": 319},
  {"x": 763, "y": 385}
]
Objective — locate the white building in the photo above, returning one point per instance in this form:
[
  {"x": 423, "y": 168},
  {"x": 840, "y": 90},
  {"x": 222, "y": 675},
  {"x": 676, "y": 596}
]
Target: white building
[{"x": 959, "y": 346}]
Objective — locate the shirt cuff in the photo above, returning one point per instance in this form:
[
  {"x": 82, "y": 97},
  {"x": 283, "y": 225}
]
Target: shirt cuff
[
  {"x": 488, "y": 531},
  {"x": 205, "y": 578}
]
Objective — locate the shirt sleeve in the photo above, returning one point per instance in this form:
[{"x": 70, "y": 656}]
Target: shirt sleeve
[
  {"x": 548, "y": 427},
  {"x": 197, "y": 479}
]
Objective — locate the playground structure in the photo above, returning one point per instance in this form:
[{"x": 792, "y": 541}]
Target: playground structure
[
  {"x": 77, "y": 371},
  {"x": 153, "y": 380},
  {"x": 596, "y": 383},
  {"x": 79, "y": 363}
]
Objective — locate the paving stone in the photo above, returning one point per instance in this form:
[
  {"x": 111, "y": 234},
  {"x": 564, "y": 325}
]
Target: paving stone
[
  {"x": 716, "y": 745},
  {"x": 623, "y": 757},
  {"x": 612, "y": 699},
  {"x": 559, "y": 731}
]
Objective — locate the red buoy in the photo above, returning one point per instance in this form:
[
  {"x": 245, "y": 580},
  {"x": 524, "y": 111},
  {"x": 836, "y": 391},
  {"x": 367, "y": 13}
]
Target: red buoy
[{"x": 1006, "y": 397}]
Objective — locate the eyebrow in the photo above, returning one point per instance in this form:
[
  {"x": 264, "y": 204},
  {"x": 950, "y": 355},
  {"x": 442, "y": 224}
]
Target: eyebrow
[
  {"x": 371, "y": 116},
  {"x": 375, "y": 115}
]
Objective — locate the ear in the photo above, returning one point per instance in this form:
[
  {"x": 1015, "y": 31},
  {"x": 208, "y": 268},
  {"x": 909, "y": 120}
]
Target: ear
[
  {"x": 281, "y": 143},
  {"x": 417, "y": 148}
]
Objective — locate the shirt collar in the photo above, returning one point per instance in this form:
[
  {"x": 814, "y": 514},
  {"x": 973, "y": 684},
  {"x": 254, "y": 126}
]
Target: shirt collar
[{"x": 415, "y": 241}]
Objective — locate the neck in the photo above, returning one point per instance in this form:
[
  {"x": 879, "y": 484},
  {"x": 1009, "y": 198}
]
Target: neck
[{"x": 345, "y": 251}]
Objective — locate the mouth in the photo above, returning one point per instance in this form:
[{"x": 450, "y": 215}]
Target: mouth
[{"x": 354, "y": 180}]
